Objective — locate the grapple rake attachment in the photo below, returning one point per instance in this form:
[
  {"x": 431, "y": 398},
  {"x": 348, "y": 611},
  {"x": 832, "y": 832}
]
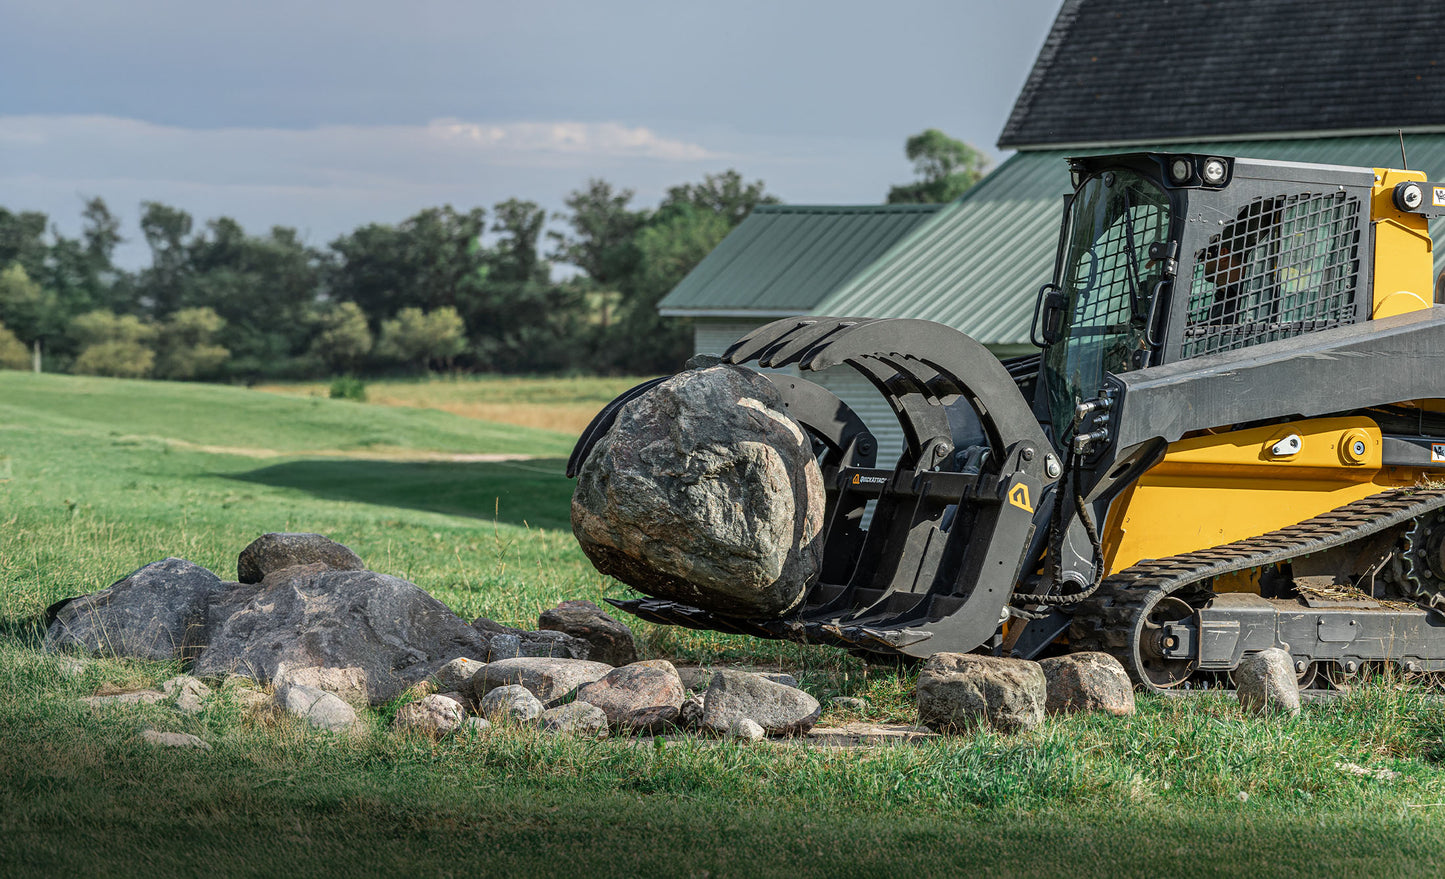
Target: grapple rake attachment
[{"x": 952, "y": 521}]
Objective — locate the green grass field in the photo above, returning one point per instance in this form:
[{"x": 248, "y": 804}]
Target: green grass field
[{"x": 98, "y": 477}]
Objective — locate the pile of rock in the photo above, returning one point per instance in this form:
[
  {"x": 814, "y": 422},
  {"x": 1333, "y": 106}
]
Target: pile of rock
[{"x": 303, "y": 601}]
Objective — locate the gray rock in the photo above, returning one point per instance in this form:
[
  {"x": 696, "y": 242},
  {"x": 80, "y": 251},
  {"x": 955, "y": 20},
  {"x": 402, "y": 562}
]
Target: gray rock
[
  {"x": 254, "y": 702},
  {"x": 512, "y": 702},
  {"x": 312, "y": 616},
  {"x": 550, "y": 680},
  {"x": 1265, "y": 681},
  {"x": 575, "y": 718},
  {"x": 849, "y": 703},
  {"x": 689, "y": 716},
  {"x": 457, "y": 674},
  {"x": 459, "y": 697},
  {"x": 188, "y": 694},
  {"x": 347, "y": 683},
  {"x": 779, "y": 710},
  {"x": 476, "y": 724},
  {"x": 505, "y": 642},
  {"x": 157, "y": 612},
  {"x": 643, "y": 696},
  {"x": 607, "y": 639},
  {"x": 745, "y": 730},
  {"x": 696, "y": 678},
  {"x": 431, "y": 715},
  {"x": 133, "y": 697},
  {"x": 274, "y": 551},
  {"x": 319, "y": 708},
  {"x": 960, "y": 691},
  {"x": 173, "y": 739},
  {"x": 1087, "y": 682},
  {"x": 704, "y": 491}
]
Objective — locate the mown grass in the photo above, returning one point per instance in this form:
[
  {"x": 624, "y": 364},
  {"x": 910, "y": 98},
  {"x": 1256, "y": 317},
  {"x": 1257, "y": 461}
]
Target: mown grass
[
  {"x": 561, "y": 404},
  {"x": 92, "y": 488}
]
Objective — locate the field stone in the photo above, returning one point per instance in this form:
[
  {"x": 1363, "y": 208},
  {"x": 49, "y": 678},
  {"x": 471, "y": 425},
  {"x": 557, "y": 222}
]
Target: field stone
[
  {"x": 477, "y": 724},
  {"x": 317, "y": 707},
  {"x": 277, "y": 550},
  {"x": 1265, "y": 681},
  {"x": 457, "y": 674},
  {"x": 313, "y": 616},
  {"x": 745, "y": 729},
  {"x": 433, "y": 715},
  {"x": 505, "y": 642},
  {"x": 705, "y": 492},
  {"x": 689, "y": 716},
  {"x": 779, "y": 710},
  {"x": 1087, "y": 681},
  {"x": 575, "y": 718},
  {"x": 550, "y": 680},
  {"x": 608, "y": 640},
  {"x": 254, "y": 702},
  {"x": 849, "y": 703},
  {"x": 959, "y": 691},
  {"x": 347, "y": 683},
  {"x": 639, "y": 697},
  {"x": 188, "y": 694},
  {"x": 157, "y": 612},
  {"x": 173, "y": 739},
  {"x": 513, "y": 702}
]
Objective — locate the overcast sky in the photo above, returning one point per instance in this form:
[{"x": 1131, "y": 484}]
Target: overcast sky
[{"x": 327, "y": 115}]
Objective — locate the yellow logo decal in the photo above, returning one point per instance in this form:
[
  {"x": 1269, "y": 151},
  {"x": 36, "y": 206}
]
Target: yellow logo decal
[
  {"x": 855, "y": 478},
  {"x": 1019, "y": 497}
]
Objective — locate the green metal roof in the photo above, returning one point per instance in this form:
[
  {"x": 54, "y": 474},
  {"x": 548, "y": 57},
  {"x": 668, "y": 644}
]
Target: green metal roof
[
  {"x": 785, "y": 259},
  {"x": 978, "y": 266}
]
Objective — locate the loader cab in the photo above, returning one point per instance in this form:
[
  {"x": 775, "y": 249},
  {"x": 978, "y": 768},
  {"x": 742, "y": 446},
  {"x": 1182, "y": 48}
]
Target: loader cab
[{"x": 1164, "y": 257}]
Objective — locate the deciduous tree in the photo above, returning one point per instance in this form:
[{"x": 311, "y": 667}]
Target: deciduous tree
[{"x": 945, "y": 168}]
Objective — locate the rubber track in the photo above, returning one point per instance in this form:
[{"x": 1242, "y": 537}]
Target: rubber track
[{"x": 1106, "y": 621}]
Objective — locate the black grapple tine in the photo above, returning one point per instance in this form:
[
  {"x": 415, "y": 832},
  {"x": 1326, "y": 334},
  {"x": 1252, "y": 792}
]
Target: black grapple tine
[
  {"x": 603, "y": 421},
  {"x": 764, "y": 337},
  {"x": 797, "y": 345}
]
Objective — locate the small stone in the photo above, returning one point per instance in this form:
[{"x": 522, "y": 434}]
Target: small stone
[
  {"x": 133, "y": 697},
  {"x": 505, "y": 642},
  {"x": 432, "y": 715},
  {"x": 1087, "y": 682},
  {"x": 173, "y": 740},
  {"x": 689, "y": 716},
  {"x": 779, "y": 710},
  {"x": 476, "y": 724},
  {"x": 551, "y": 680},
  {"x": 347, "y": 683},
  {"x": 457, "y": 674},
  {"x": 504, "y": 646},
  {"x": 849, "y": 703},
  {"x": 254, "y": 702},
  {"x": 608, "y": 640},
  {"x": 640, "y": 697},
  {"x": 512, "y": 702},
  {"x": 70, "y": 668},
  {"x": 319, "y": 708},
  {"x": 576, "y": 718},
  {"x": 959, "y": 691},
  {"x": 745, "y": 729},
  {"x": 188, "y": 693},
  {"x": 274, "y": 551},
  {"x": 1242, "y": 796},
  {"x": 458, "y": 697},
  {"x": 1265, "y": 681}
]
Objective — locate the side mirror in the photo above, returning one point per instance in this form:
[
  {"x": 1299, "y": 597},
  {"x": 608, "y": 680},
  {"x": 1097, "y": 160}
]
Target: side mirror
[{"x": 1051, "y": 305}]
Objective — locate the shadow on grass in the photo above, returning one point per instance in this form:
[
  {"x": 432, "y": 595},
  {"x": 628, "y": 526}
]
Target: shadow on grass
[{"x": 535, "y": 492}]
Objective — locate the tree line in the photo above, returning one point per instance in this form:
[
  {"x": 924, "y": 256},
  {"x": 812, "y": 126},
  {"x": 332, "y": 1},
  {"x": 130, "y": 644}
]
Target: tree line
[{"x": 442, "y": 290}]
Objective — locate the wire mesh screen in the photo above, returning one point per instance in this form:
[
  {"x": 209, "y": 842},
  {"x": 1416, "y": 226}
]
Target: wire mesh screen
[
  {"x": 1118, "y": 269},
  {"x": 1286, "y": 265}
]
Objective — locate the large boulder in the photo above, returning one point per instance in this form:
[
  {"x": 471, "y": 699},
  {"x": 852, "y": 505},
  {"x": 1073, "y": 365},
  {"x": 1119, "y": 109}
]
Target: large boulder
[
  {"x": 961, "y": 691},
  {"x": 277, "y": 550},
  {"x": 157, "y": 612},
  {"x": 550, "y": 680},
  {"x": 1265, "y": 681},
  {"x": 641, "y": 697},
  {"x": 705, "y": 492},
  {"x": 607, "y": 639},
  {"x": 779, "y": 710},
  {"x": 314, "y": 616},
  {"x": 1088, "y": 681}
]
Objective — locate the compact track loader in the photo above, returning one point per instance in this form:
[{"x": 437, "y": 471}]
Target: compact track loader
[{"x": 1229, "y": 440}]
